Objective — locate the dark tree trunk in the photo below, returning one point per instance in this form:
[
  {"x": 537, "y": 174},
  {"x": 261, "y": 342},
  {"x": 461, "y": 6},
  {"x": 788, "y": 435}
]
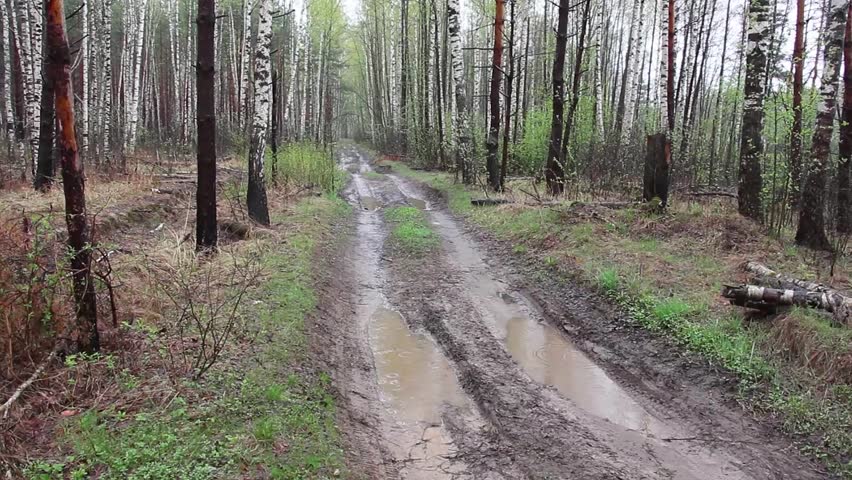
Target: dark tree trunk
[
  {"x": 510, "y": 79},
  {"x": 751, "y": 144},
  {"x": 403, "y": 75},
  {"x": 491, "y": 141},
  {"x": 273, "y": 134},
  {"x": 45, "y": 167},
  {"x": 58, "y": 62},
  {"x": 206, "y": 230},
  {"x": 657, "y": 162},
  {"x": 844, "y": 222},
  {"x": 554, "y": 170},
  {"x": 575, "y": 85},
  {"x": 796, "y": 129},
  {"x": 811, "y": 231}
]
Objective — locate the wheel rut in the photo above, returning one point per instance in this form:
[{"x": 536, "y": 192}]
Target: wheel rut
[{"x": 474, "y": 382}]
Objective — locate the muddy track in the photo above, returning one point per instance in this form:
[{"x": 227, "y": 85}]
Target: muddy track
[{"x": 457, "y": 370}]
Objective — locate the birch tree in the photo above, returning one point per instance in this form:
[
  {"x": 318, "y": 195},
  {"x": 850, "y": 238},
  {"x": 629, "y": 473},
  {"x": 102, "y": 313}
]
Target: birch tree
[
  {"x": 256, "y": 195},
  {"x": 461, "y": 127},
  {"x": 751, "y": 144},
  {"x": 811, "y": 230}
]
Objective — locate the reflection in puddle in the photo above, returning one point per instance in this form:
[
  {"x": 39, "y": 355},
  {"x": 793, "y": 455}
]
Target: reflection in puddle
[
  {"x": 544, "y": 353},
  {"x": 416, "y": 382},
  {"x": 370, "y": 203},
  {"x": 413, "y": 373},
  {"x": 417, "y": 203},
  {"x": 551, "y": 360}
]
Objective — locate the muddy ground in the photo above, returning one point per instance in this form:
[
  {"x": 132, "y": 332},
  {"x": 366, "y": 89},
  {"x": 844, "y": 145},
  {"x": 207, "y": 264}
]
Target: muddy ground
[{"x": 456, "y": 364}]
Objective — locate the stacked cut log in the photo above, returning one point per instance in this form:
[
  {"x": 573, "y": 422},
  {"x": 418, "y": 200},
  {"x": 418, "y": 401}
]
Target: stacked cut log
[{"x": 773, "y": 290}]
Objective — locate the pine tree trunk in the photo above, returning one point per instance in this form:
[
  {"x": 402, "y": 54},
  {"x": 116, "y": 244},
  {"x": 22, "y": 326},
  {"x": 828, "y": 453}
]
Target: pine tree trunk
[
  {"x": 73, "y": 183},
  {"x": 492, "y": 139},
  {"x": 45, "y": 167},
  {"x": 510, "y": 79},
  {"x": 256, "y": 195},
  {"x": 555, "y": 166},
  {"x": 811, "y": 231},
  {"x": 796, "y": 129},
  {"x": 751, "y": 143},
  {"x": 575, "y": 87},
  {"x": 206, "y": 231},
  {"x": 844, "y": 196}
]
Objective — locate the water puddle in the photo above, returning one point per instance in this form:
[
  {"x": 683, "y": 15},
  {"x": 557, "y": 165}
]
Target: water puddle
[
  {"x": 370, "y": 203},
  {"x": 415, "y": 380},
  {"x": 544, "y": 353},
  {"x": 417, "y": 203},
  {"x": 416, "y": 384}
]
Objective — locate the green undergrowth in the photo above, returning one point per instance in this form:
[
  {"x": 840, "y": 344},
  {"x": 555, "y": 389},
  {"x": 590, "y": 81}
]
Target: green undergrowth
[
  {"x": 256, "y": 414},
  {"x": 410, "y": 230},
  {"x": 669, "y": 282},
  {"x": 305, "y": 165}
]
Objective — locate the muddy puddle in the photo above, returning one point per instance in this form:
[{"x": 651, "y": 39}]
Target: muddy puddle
[
  {"x": 544, "y": 353},
  {"x": 415, "y": 380}
]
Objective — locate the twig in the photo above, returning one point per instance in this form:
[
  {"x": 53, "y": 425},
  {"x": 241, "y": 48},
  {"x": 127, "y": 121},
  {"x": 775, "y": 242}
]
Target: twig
[{"x": 5, "y": 407}]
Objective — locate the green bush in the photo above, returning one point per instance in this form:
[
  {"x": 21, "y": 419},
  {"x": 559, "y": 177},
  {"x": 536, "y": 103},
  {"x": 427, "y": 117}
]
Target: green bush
[{"x": 305, "y": 165}]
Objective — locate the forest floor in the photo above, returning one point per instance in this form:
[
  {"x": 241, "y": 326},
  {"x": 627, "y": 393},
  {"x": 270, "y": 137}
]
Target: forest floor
[
  {"x": 479, "y": 351},
  {"x": 140, "y": 409},
  {"x": 392, "y": 330}
]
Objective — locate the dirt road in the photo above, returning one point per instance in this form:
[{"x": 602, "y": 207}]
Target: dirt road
[{"x": 456, "y": 366}]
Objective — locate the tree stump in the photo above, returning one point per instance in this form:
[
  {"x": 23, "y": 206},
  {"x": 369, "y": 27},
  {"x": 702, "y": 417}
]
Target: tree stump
[{"x": 657, "y": 162}]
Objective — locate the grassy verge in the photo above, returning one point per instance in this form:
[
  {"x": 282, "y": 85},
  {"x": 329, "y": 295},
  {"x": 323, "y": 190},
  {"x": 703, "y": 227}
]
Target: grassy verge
[
  {"x": 410, "y": 230},
  {"x": 666, "y": 272},
  {"x": 258, "y": 413}
]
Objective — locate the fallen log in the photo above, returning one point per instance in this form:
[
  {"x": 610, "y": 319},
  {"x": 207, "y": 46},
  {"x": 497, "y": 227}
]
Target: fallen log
[
  {"x": 768, "y": 299},
  {"x": 832, "y": 300},
  {"x": 482, "y": 202},
  {"x": 719, "y": 193}
]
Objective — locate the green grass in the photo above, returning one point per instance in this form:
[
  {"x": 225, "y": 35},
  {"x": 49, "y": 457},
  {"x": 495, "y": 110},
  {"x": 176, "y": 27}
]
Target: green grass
[
  {"x": 374, "y": 176},
  {"x": 305, "y": 165},
  {"x": 261, "y": 416},
  {"x": 410, "y": 230}
]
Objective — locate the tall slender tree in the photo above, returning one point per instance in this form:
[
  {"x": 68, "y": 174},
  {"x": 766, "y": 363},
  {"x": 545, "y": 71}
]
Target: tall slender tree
[
  {"x": 811, "y": 231},
  {"x": 461, "y": 126},
  {"x": 493, "y": 137},
  {"x": 555, "y": 166},
  {"x": 844, "y": 195},
  {"x": 256, "y": 201},
  {"x": 73, "y": 183},
  {"x": 206, "y": 230},
  {"x": 751, "y": 144}
]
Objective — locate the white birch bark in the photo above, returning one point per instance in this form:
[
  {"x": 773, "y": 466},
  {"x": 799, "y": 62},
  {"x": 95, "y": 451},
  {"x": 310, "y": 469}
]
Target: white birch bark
[
  {"x": 35, "y": 21},
  {"x": 24, "y": 51},
  {"x": 664, "y": 64},
  {"x": 631, "y": 77},
  {"x": 8, "y": 128},
  {"x": 244, "y": 64},
  {"x": 84, "y": 99},
  {"x": 598, "y": 86},
  {"x": 256, "y": 200},
  {"x": 136, "y": 69},
  {"x": 106, "y": 90},
  {"x": 460, "y": 115}
]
